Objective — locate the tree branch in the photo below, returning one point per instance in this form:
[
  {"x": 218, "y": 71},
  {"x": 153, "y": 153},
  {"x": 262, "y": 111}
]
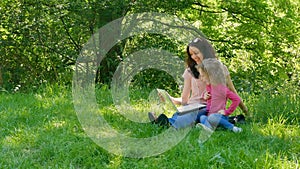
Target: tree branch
[
  {"x": 69, "y": 35},
  {"x": 205, "y": 6},
  {"x": 200, "y": 4},
  {"x": 257, "y": 20},
  {"x": 175, "y": 26}
]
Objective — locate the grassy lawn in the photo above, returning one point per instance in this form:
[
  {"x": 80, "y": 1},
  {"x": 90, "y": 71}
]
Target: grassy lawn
[{"x": 41, "y": 130}]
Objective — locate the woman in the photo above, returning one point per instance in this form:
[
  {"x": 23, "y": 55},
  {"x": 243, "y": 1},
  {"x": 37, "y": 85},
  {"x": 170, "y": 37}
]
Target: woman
[{"x": 197, "y": 50}]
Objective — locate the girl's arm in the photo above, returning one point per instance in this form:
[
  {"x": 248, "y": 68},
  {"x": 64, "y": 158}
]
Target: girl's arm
[
  {"x": 232, "y": 88},
  {"x": 235, "y": 101}
]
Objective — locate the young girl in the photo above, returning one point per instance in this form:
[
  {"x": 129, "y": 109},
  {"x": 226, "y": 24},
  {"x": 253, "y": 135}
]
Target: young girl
[{"x": 216, "y": 95}]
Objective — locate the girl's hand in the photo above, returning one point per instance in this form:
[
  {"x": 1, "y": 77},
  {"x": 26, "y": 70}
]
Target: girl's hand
[
  {"x": 206, "y": 95},
  {"x": 221, "y": 112}
]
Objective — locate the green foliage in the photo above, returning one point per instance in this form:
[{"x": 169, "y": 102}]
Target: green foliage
[
  {"x": 154, "y": 78},
  {"x": 255, "y": 39},
  {"x": 40, "y": 41},
  {"x": 280, "y": 107}
]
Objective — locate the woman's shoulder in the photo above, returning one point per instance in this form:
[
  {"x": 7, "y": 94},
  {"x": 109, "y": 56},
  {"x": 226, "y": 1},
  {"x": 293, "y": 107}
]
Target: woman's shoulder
[{"x": 187, "y": 73}]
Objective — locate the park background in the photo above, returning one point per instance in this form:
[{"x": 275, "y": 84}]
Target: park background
[{"x": 41, "y": 40}]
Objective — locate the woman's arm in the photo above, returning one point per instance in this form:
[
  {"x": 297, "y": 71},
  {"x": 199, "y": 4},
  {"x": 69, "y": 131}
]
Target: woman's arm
[
  {"x": 176, "y": 100},
  {"x": 232, "y": 88},
  {"x": 185, "y": 95}
]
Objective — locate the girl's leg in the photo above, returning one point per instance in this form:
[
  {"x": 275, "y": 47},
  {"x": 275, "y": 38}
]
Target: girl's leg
[
  {"x": 217, "y": 119},
  {"x": 204, "y": 120}
]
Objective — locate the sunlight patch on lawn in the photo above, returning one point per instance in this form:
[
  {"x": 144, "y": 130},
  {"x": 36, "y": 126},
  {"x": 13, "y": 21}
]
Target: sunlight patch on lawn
[
  {"x": 280, "y": 129},
  {"x": 279, "y": 160},
  {"x": 20, "y": 138}
]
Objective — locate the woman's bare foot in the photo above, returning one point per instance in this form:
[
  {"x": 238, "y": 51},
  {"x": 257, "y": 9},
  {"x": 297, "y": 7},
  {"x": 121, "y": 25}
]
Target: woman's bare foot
[{"x": 152, "y": 116}]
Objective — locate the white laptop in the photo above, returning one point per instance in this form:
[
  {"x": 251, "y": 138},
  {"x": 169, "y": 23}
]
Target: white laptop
[{"x": 182, "y": 109}]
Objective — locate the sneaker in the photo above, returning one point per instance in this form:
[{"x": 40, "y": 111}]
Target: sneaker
[
  {"x": 152, "y": 117},
  {"x": 237, "y": 129},
  {"x": 162, "y": 120},
  {"x": 237, "y": 119}
]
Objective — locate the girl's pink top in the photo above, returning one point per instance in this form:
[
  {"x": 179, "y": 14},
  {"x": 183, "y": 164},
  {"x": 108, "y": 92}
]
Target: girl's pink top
[
  {"x": 195, "y": 87},
  {"x": 218, "y": 98}
]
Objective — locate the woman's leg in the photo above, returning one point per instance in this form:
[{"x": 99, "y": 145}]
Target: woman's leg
[
  {"x": 173, "y": 118},
  {"x": 182, "y": 121},
  {"x": 201, "y": 113}
]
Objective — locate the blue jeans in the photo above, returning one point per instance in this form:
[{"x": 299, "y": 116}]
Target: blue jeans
[
  {"x": 185, "y": 120},
  {"x": 214, "y": 120}
]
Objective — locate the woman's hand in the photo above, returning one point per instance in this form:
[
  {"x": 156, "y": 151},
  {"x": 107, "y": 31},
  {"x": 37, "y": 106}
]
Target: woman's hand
[
  {"x": 162, "y": 99},
  {"x": 245, "y": 110}
]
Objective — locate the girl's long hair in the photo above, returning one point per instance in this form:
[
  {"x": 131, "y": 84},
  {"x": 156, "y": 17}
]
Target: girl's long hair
[{"x": 215, "y": 71}]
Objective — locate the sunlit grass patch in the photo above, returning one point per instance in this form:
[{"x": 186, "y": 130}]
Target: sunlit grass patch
[{"x": 279, "y": 129}]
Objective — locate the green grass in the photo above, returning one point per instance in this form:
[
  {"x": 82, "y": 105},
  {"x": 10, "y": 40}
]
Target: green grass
[{"x": 41, "y": 130}]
